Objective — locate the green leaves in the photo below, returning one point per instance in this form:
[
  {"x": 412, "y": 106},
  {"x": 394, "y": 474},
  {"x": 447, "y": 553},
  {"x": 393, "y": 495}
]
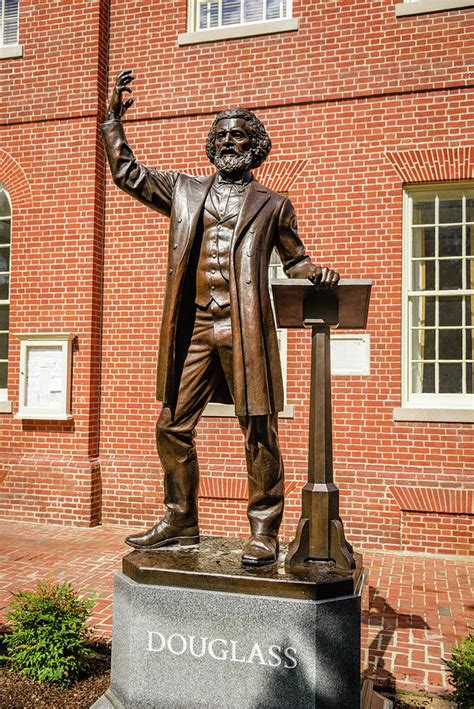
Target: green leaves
[
  {"x": 461, "y": 672},
  {"x": 49, "y": 635}
]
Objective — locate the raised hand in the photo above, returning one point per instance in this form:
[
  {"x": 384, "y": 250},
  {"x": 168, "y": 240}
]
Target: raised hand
[{"x": 117, "y": 106}]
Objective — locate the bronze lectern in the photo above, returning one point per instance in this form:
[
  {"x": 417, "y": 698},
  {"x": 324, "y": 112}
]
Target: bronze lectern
[{"x": 320, "y": 533}]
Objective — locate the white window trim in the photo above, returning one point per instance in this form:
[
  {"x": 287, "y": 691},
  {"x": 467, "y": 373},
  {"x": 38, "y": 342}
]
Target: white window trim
[
  {"x": 424, "y": 407},
  {"x": 41, "y": 339},
  {"x": 5, "y": 405},
  {"x": 9, "y": 51},
  {"x": 247, "y": 29},
  {"x": 422, "y": 7}
]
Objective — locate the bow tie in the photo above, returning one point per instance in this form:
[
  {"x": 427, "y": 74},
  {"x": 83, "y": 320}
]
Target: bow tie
[{"x": 227, "y": 181}]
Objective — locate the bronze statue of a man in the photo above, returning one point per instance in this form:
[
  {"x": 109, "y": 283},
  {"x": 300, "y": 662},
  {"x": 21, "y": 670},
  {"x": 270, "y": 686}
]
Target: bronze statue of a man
[{"x": 218, "y": 337}]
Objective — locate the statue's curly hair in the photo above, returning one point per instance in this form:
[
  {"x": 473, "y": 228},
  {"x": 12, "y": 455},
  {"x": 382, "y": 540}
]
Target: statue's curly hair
[{"x": 260, "y": 143}]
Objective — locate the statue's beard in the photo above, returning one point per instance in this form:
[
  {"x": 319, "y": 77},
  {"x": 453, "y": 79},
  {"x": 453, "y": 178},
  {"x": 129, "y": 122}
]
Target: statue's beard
[{"x": 232, "y": 165}]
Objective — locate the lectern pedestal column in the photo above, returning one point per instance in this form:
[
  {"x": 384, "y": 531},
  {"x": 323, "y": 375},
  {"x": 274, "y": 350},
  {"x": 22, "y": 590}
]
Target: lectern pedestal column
[{"x": 320, "y": 533}]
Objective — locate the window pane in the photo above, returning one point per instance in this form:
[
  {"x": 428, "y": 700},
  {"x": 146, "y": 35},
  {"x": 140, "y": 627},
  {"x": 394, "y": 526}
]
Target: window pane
[
  {"x": 276, "y": 9},
  {"x": 470, "y": 210},
  {"x": 469, "y": 377},
  {"x": 469, "y": 241},
  {"x": 450, "y": 310},
  {"x": 4, "y": 205},
  {"x": 11, "y": 9},
  {"x": 424, "y": 211},
  {"x": 423, "y": 344},
  {"x": 208, "y": 15},
  {"x": 253, "y": 10},
  {"x": 450, "y": 241},
  {"x": 450, "y": 344},
  {"x": 3, "y": 375},
  {"x": 450, "y": 379},
  {"x": 5, "y": 259},
  {"x": 430, "y": 311},
  {"x": 423, "y": 311},
  {"x": 450, "y": 274},
  {"x": 4, "y": 281},
  {"x": 469, "y": 273},
  {"x": 423, "y": 242},
  {"x": 231, "y": 12},
  {"x": 3, "y": 346},
  {"x": 5, "y": 227},
  {"x": 423, "y": 275},
  {"x": 469, "y": 345},
  {"x": 450, "y": 210},
  {"x": 423, "y": 378},
  {"x": 10, "y": 32},
  {"x": 4, "y": 316}
]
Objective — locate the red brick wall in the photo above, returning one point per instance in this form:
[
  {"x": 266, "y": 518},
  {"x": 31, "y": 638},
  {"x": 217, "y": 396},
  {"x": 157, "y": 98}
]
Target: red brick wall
[
  {"x": 54, "y": 170},
  {"x": 353, "y": 87},
  {"x": 347, "y": 168},
  {"x": 342, "y": 50},
  {"x": 437, "y": 533}
]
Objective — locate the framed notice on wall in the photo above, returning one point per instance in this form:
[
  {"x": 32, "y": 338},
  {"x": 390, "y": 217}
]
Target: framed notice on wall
[
  {"x": 350, "y": 355},
  {"x": 45, "y": 376}
]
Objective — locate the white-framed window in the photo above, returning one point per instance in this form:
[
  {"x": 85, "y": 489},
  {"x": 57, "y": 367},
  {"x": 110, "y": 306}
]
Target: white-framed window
[
  {"x": 213, "y": 14},
  {"x": 438, "y": 296},
  {"x": 214, "y": 20},
  {"x": 421, "y": 7},
  {"x": 9, "y": 22},
  {"x": 5, "y": 241}
]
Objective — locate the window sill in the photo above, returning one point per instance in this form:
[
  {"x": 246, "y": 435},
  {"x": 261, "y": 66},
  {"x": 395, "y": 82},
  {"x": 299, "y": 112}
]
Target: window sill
[
  {"x": 228, "y": 411},
  {"x": 8, "y": 51},
  {"x": 44, "y": 417},
  {"x": 5, "y": 407},
  {"x": 421, "y": 7},
  {"x": 408, "y": 413},
  {"x": 250, "y": 30}
]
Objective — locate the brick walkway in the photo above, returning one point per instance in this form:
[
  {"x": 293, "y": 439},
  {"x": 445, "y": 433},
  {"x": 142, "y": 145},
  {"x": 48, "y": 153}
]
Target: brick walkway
[{"x": 414, "y": 608}]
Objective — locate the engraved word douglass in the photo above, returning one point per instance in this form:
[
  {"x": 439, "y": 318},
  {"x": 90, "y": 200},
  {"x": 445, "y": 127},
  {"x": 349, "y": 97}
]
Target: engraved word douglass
[{"x": 222, "y": 649}]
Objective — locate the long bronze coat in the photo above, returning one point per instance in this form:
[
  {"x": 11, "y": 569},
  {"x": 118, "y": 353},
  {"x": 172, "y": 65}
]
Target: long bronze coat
[{"x": 266, "y": 221}]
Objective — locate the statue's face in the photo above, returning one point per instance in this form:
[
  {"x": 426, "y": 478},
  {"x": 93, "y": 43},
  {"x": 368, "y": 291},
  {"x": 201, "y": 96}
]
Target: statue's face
[{"x": 232, "y": 137}]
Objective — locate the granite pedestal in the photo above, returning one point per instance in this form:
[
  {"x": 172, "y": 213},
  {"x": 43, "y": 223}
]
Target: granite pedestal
[{"x": 192, "y": 628}]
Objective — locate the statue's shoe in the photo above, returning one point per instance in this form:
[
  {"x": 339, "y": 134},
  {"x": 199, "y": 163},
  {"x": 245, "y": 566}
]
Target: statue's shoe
[
  {"x": 164, "y": 534},
  {"x": 259, "y": 550}
]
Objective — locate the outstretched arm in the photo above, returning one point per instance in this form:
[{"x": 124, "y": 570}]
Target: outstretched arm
[
  {"x": 296, "y": 263},
  {"x": 153, "y": 188}
]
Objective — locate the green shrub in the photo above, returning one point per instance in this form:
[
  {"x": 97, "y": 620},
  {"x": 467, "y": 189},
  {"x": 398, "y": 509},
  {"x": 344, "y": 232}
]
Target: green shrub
[
  {"x": 49, "y": 635},
  {"x": 461, "y": 672}
]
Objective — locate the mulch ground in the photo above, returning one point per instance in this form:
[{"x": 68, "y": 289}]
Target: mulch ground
[{"x": 19, "y": 692}]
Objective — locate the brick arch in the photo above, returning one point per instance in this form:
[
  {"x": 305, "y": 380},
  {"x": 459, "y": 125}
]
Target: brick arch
[
  {"x": 13, "y": 177},
  {"x": 433, "y": 164},
  {"x": 277, "y": 175}
]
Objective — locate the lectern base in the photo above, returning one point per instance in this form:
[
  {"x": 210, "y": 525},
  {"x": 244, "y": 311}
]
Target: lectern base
[{"x": 182, "y": 646}]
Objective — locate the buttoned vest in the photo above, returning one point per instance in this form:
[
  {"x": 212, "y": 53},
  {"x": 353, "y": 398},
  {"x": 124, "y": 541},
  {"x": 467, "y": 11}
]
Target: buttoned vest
[{"x": 221, "y": 212}]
